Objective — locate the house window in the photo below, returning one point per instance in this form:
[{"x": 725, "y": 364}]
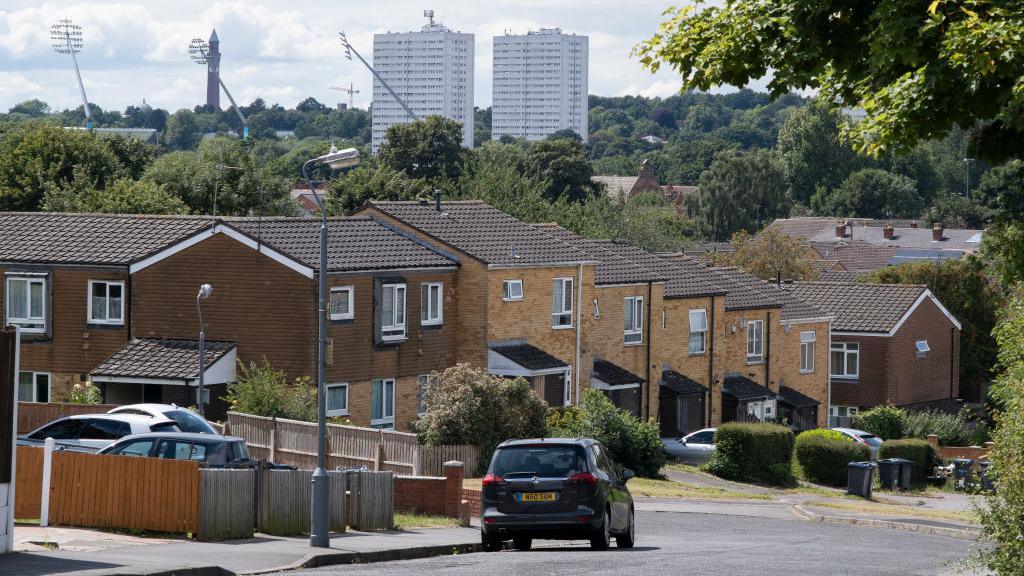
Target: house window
[
  {"x": 382, "y": 404},
  {"x": 26, "y": 303},
  {"x": 431, "y": 303},
  {"x": 634, "y": 320},
  {"x": 698, "y": 331},
  {"x": 512, "y": 290},
  {"x": 922, "y": 348},
  {"x": 392, "y": 312},
  {"x": 106, "y": 302},
  {"x": 337, "y": 399},
  {"x": 807, "y": 343},
  {"x": 425, "y": 382},
  {"x": 845, "y": 359},
  {"x": 841, "y": 416},
  {"x": 561, "y": 303},
  {"x": 755, "y": 341},
  {"x": 341, "y": 305},
  {"x": 33, "y": 387}
]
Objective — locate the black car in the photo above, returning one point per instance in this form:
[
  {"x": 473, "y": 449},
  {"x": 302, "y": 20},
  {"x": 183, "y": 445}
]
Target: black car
[{"x": 555, "y": 488}]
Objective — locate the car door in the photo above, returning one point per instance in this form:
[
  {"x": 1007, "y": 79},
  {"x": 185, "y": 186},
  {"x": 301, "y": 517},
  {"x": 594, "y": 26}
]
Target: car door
[
  {"x": 65, "y": 432},
  {"x": 99, "y": 433},
  {"x": 139, "y": 448},
  {"x": 699, "y": 447},
  {"x": 618, "y": 499}
]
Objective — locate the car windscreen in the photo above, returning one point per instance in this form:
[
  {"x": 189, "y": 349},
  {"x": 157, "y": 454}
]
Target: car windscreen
[
  {"x": 542, "y": 461},
  {"x": 871, "y": 440},
  {"x": 189, "y": 422}
]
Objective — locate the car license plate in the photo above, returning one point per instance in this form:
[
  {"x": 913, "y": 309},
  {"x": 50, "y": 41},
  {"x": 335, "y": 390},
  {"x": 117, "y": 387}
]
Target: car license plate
[{"x": 536, "y": 496}]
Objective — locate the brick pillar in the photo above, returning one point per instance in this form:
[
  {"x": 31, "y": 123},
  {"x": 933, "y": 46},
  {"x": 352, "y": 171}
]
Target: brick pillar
[
  {"x": 453, "y": 474},
  {"x": 933, "y": 439}
]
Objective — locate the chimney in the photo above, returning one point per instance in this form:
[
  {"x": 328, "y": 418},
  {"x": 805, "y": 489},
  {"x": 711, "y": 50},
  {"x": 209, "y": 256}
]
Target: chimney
[
  {"x": 840, "y": 230},
  {"x": 936, "y": 232},
  {"x": 888, "y": 231},
  {"x": 437, "y": 200},
  {"x": 913, "y": 224}
]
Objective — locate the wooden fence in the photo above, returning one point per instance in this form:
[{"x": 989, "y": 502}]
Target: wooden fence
[
  {"x": 226, "y": 504},
  {"x": 284, "y": 501},
  {"x": 32, "y": 415},
  {"x": 294, "y": 443},
  {"x": 372, "y": 500},
  {"x": 28, "y": 479}
]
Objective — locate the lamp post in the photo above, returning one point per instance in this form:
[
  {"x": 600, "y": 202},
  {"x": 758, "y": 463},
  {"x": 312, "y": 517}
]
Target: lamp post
[
  {"x": 204, "y": 292},
  {"x": 321, "y": 497}
]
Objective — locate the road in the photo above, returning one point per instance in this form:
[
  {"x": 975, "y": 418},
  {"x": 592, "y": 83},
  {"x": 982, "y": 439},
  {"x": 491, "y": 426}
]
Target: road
[{"x": 708, "y": 544}]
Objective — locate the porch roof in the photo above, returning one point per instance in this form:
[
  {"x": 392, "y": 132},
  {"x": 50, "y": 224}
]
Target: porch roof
[
  {"x": 609, "y": 376},
  {"x": 522, "y": 359},
  {"x": 680, "y": 384},
  {"x": 169, "y": 362},
  {"x": 745, "y": 389},
  {"x": 791, "y": 397}
]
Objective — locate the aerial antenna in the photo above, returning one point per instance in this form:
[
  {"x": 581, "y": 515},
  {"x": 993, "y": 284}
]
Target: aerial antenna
[
  {"x": 429, "y": 15},
  {"x": 199, "y": 51},
  {"x": 67, "y": 39},
  {"x": 349, "y": 51}
]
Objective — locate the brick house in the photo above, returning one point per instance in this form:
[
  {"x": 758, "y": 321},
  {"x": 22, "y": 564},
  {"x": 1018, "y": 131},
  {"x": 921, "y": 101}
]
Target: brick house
[{"x": 890, "y": 344}]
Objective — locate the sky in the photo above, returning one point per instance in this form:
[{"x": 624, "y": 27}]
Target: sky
[{"x": 285, "y": 51}]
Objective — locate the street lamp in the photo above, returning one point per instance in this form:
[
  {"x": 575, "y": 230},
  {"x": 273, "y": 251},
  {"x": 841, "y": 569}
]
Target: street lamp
[
  {"x": 204, "y": 292},
  {"x": 321, "y": 497},
  {"x": 200, "y": 53},
  {"x": 67, "y": 39}
]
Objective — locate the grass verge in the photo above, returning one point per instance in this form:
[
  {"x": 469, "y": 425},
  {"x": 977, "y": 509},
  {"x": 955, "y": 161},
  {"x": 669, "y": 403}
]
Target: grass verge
[
  {"x": 866, "y": 507},
  {"x": 407, "y": 520}
]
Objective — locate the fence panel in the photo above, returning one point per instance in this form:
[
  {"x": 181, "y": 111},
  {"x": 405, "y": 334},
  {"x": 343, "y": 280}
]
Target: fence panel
[
  {"x": 32, "y": 415},
  {"x": 432, "y": 458},
  {"x": 124, "y": 492},
  {"x": 29, "y": 481},
  {"x": 226, "y": 504},
  {"x": 373, "y": 494},
  {"x": 284, "y": 501}
]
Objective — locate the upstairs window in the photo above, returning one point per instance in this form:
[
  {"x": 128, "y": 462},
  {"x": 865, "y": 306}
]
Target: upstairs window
[
  {"x": 26, "y": 303},
  {"x": 633, "y": 329},
  {"x": 512, "y": 290},
  {"x": 561, "y": 303},
  {"x": 922, "y": 348},
  {"x": 807, "y": 344},
  {"x": 431, "y": 303},
  {"x": 106, "y": 302},
  {"x": 341, "y": 304},
  {"x": 698, "y": 331},
  {"x": 392, "y": 312},
  {"x": 845, "y": 359},
  {"x": 755, "y": 341}
]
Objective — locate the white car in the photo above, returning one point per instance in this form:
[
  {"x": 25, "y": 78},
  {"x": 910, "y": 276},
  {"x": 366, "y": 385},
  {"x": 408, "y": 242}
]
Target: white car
[
  {"x": 866, "y": 438},
  {"x": 187, "y": 420},
  {"x": 91, "y": 432},
  {"x": 695, "y": 448}
]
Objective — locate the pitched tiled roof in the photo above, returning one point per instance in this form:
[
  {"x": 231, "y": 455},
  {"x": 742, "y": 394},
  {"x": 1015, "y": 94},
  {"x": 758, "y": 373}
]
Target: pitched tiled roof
[
  {"x": 684, "y": 277},
  {"x": 743, "y": 291},
  {"x": 743, "y": 388},
  {"x": 617, "y": 187},
  {"x": 839, "y": 276},
  {"x": 680, "y": 384},
  {"x": 796, "y": 399},
  {"x": 821, "y": 266},
  {"x": 613, "y": 374},
  {"x": 872, "y": 231},
  {"x": 612, "y": 268},
  {"x": 354, "y": 244},
  {"x": 857, "y": 256},
  {"x": 859, "y": 307},
  {"x": 483, "y": 232},
  {"x": 528, "y": 356},
  {"x": 162, "y": 359},
  {"x": 106, "y": 239}
]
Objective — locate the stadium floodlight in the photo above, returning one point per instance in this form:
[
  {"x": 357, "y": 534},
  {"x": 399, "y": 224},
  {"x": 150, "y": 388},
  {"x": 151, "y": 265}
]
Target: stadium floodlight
[
  {"x": 67, "y": 39},
  {"x": 349, "y": 51},
  {"x": 199, "y": 51}
]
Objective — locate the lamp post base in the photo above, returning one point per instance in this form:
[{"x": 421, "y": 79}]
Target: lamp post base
[{"x": 319, "y": 530}]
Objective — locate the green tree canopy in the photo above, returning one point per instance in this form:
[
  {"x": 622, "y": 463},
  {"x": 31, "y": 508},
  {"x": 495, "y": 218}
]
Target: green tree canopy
[
  {"x": 182, "y": 131},
  {"x": 430, "y": 148},
  {"x": 742, "y": 190},
  {"x": 769, "y": 255},
  {"x": 812, "y": 151},
  {"x": 561, "y": 163},
  {"x": 123, "y": 196},
  {"x": 870, "y": 193}
]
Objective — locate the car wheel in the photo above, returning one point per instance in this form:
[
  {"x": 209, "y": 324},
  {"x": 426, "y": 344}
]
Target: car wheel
[
  {"x": 491, "y": 542},
  {"x": 627, "y": 539},
  {"x": 522, "y": 543},
  {"x": 602, "y": 539}
]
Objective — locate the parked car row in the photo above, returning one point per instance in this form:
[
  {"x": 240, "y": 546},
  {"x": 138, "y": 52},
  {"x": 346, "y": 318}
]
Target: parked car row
[{"x": 698, "y": 447}]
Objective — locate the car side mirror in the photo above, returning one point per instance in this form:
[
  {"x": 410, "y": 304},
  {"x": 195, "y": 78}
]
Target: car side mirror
[
  {"x": 627, "y": 473},
  {"x": 682, "y": 441}
]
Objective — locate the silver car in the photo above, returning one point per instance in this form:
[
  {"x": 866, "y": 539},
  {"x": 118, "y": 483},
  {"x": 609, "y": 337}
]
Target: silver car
[
  {"x": 866, "y": 438},
  {"x": 695, "y": 448},
  {"x": 91, "y": 432},
  {"x": 187, "y": 420}
]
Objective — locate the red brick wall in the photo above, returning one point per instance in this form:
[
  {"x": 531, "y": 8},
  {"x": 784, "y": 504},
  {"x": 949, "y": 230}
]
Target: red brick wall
[
  {"x": 440, "y": 496},
  {"x": 934, "y": 377},
  {"x": 472, "y": 496},
  {"x": 869, "y": 389}
]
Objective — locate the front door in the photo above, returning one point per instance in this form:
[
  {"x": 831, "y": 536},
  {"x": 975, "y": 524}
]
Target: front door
[{"x": 554, "y": 389}]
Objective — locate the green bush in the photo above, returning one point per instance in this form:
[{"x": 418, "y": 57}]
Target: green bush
[
  {"x": 753, "y": 452},
  {"x": 823, "y": 455},
  {"x": 84, "y": 393},
  {"x": 633, "y": 443},
  {"x": 920, "y": 451},
  {"x": 263, "y": 391},
  {"x": 952, "y": 429},
  {"x": 887, "y": 422}
]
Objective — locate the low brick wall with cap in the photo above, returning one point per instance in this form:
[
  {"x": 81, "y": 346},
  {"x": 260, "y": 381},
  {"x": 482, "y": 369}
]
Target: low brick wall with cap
[
  {"x": 434, "y": 495},
  {"x": 975, "y": 453}
]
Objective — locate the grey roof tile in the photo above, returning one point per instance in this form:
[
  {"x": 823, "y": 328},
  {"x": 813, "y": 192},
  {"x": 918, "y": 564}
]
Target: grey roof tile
[
  {"x": 528, "y": 356},
  {"x": 744, "y": 389},
  {"x": 684, "y": 277},
  {"x": 795, "y": 398},
  {"x": 612, "y": 267},
  {"x": 163, "y": 359},
  {"x": 681, "y": 384},
  {"x": 613, "y": 374},
  {"x": 859, "y": 307}
]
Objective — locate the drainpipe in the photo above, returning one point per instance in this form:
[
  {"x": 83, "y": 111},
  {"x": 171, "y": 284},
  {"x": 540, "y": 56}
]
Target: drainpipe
[
  {"x": 711, "y": 363},
  {"x": 828, "y": 366},
  {"x": 648, "y": 383},
  {"x": 768, "y": 352},
  {"x": 952, "y": 342},
  {"x": 579, "y": 322}
]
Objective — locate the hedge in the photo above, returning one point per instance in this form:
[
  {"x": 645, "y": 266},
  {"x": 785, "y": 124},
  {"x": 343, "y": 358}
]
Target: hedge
[
  {"x": 920, "y": 451},
  {"x": 753, "y": 452},
  {"x": 823, "y": 456}
]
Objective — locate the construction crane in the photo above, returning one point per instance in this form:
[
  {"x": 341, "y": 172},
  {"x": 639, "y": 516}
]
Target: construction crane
[{"x": 350, "y": 91}]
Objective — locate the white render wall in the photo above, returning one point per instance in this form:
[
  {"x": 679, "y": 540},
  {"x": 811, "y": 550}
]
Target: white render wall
[
  {"x": 540, "y": 84},
  {"x": 432, "y": 70}
]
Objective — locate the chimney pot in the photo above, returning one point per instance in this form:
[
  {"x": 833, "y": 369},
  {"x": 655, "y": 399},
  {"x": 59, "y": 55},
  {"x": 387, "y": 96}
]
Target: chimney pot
[
  {"x": 913, "y": 224},
  {"x": 840, "y": 229},
  {"x": 888, "y": 231},
  {"x": 437, "y": 200},
  {"x": 936, "y": 232}
]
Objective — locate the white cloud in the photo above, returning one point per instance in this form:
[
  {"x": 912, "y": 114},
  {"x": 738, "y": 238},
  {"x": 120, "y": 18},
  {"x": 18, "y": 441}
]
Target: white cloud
[{"x": 16, "y": 87}]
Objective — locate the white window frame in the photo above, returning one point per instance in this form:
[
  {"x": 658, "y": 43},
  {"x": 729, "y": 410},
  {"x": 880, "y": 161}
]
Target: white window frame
[
  {"x": 559, "y": 295},
  {"x": 350, "y": 291},
  {"x": 35, "y": 386},
  {"x": 29, "y": 324},
  {"x": 339, "y": 411},
  {"x": 848, "y": 349},
  {"x": 391, "y": 328},
  {"x": 755, "y": 341},
  {"x": 808, "y": 348},
  {"x": 89, "y": 305},
  {"x": 429, "y": 316},
  {"x": 922, "y": 348},
  {"x": 386, "y": 420},
  {"x": 702, "y": 313},
  {"x": 507, "y": 293},
  {"x": 633, "y": 334}
]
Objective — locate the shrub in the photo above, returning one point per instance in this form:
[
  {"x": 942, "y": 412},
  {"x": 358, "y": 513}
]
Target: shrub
[
  {"x": 952, "y": 429},
  {"x": 920, "y": 451},
  {"x": 84, "y": 393},
  {"x": 887, "y": 422},
  {"x": 466, "y": 405},
  {"x": 633, "y": 443},
  {"x": 753, "y": 452},
  {"x": 263, "y": 391},
  {"x": 823, "y": 455}
]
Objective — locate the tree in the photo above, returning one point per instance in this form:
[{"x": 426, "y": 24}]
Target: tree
[
  {"x": 812, "y": 151},
  {"x": 870, "y": 193},
  {"x": 561, "y": 163},
  {"x": 769, "y": 255},
  {"x": 917, "y": 70},
  {"x": 122, "y": 196},
  {"x": 356, "y": 187},
  {"x": 182, "y": 131},
  {"x": 1003, "y": 245},
  {"x": 34, "y": 108},
  {"x": 481, "y": 125},
  {"x": 430, "y": 148},
  {"x": 742, "y": 190}
]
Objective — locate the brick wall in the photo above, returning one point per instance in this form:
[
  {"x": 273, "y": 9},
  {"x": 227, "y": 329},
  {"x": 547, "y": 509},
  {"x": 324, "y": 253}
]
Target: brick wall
[
  {"x": 869, "y": 388},
  {"x": 472, "y": 498},
  {"x": 933, "y": 377},
  {"x": 605, "y": 338},
  {"x": 785, "y": 363},
  {"x": 438, "y": 496},
  {"x": 975, "y": 453}
]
